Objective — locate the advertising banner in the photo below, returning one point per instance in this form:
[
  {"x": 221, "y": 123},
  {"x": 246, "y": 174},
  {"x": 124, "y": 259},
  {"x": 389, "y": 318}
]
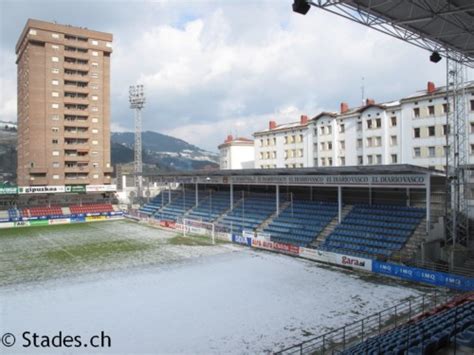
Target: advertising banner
[
  {"x": 95, "y": 218},
  {"x": 262, "y": 244},
  {"x": 224, "y": 236},
  {"x": 76, "y": 188},
  {"x": 78, "y": 219},
  {"x": 239, "y": 239},
  {"x": 39, "y": 222},
  {"x": 422, "y": 275},
  {"x": 101, "y": 188},
  {"x": 26, "y": 223},
  {"x": 263, "y": 235},
  {"x": 338, "y": 259},
  {"x": 41, "y": 189},
  {"x": 59, "y": 221},
  {"x": 248, "y": 234},
  {"x": 8, "y": 190},
  {"x": 286, "y": 248},
  {"x": 7, "y": 225}
]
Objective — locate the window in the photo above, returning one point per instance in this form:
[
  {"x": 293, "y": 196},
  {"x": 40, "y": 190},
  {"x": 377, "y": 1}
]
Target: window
[
  {"x": 95, "y": 109},
  {"x": 95, "y": 176},
  {"x": 95, "y": 53},
  {"x": 445, "y": 108},
  {"x": 33, "y": 32},
  {"x": 394, "y": 158},
  {"x": 94, "y": 75},
  {"x": 261, "y": 140},
  {"x": 472, "y": 105},
  {"x": 393, "y": 140},
  {"x": 300, "y": 153},
  {"x": 55, "y": 106},
  {"x": 95, "y": 97},
  {"x": 108, "y": 45},
  {"x": 342, "y": 128},
  {"x": 342, "y": 144},
  {"x": 95, "y": 120},
  {"x": 393, "y": 121},
  {"x": 55, "y": 153},
  {"x": 55, "y": 59},
  {"x": 359, "y": 126},
  {"x": 416, "y": 112},
  {"x": 55, "y": 164},
  {"x": 417, "y": 152},
  {"x": 268, "y": 139},
  {"x": 472, "y": 149},
  {"x": 445, "y": 130},
  {"x": 315, "y": 132},
  {"x": 274, "y": 141},
  {"x": 55, "y": 71},
  {"x": 301, "y": 137},
  {"x": 378, "y": 141},
  {"x": 95, "y": 142},
  {"x": 369, "y": 142},
  {"x": 94, "y": 42},
  {"x": 55, "y": 46},
  {"x": 95, "y": 64},
  {"x": 431, "y": 110},
  {"x": 323, "y": 146},
  {"x": 54, "y": 82},
  {"x": 369, "y": 124},
  {"x": 95, "y": 130},
  {"x": 360, "y": 160},
  {"x": 416, "y": 132},
  {"x": 55, "y": 117},
  {"x": 329, "y": 161},
  {"x": 94, "y": 87},
  {"x": 55, "y": 35},
  {"x": 359, "y": 143},
  {"x": 431, "y": 151},
  {"x": 55, "y": 94},
  {"x": 472, "y": 127},
  {"x": 342, "y": 161},
  {"x": 329, "y": 145},
  {"x": 329, "y": 129},
  {"x": 261, "y": 155},
  {"x": 431, "y": 131},
  {"x": 55, "y": 177},
  {"x": 323, "y": 130},
  {"x": 379, "y": 159},
  {"x": 445, "y": 150},
  {"x": 370, "y": 159},
  {"x": 94, "y": 153},
  {"x": 55, "y": 129},
  {"x": 378, "y": 122},
  {"x": 55, "y": 141}
]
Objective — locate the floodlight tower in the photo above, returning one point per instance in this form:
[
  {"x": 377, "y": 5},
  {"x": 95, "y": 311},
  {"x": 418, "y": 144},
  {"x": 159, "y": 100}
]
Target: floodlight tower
[{"x": 137, "y": 101}]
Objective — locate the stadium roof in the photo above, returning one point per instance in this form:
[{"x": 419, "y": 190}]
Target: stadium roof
[
  {"x": 402, "y": 169},
  {"x": 433, "y": 25}
]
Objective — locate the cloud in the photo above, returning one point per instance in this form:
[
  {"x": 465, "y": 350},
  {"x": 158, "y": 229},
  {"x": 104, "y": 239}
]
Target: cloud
[{"x": 210, "y": 68}]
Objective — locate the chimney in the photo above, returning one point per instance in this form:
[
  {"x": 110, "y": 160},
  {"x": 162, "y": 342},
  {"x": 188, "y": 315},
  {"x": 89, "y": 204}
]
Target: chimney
[
  {"x": 344, "y": 107},
  {"x": 229, "y": 138},
  {"x": 304, "y": 119},
  {"x": 369, "y": 102},
  {"x": 272, "y": 124},
  {"x": 431, "y": 88}
]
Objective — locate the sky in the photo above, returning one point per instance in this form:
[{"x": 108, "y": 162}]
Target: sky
[{"x": 213, "y": 68}]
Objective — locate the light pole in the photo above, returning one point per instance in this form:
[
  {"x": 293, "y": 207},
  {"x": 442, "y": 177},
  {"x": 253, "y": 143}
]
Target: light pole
[{"x": 137, "y": 101}]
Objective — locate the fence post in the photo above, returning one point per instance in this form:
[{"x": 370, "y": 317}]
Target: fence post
[
  {"x": 362, "y": 329},
  {"x": 380, "y": 322},
  {"x": 396, "y": 320},
  {"x": 324, "y": 343},
  {"x": 344, "y": 338},
  {"x": 423, "y": 304},
  {"x": 409, "y": 309}
]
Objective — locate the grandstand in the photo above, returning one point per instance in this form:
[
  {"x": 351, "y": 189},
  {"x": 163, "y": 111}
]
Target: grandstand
[{"x": 451, "y": 325}]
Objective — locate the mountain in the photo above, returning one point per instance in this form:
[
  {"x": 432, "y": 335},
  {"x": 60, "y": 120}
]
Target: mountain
[
  {"x": 166, "y": 152},
  {"x": 160, "y": 151}
]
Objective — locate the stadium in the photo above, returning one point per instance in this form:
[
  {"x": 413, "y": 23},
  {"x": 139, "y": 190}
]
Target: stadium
[{"x": 369, "y": 259}]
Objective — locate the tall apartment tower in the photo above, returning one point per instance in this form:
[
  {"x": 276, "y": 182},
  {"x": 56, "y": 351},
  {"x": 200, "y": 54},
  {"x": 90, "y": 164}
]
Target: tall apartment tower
[{"x": 63, "y": 105}]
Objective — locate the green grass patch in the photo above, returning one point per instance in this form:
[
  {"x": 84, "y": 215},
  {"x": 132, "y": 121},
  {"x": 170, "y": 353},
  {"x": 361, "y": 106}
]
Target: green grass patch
[{"x": 91, "y": 251}]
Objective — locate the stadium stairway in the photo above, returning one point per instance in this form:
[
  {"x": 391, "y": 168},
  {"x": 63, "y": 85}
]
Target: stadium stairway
[
  {"x": 66, "y": 211},
  {"x": 266, "y": 222},
  {"x": 413, "y": 244},
  {"x": 330, "y": 227}
]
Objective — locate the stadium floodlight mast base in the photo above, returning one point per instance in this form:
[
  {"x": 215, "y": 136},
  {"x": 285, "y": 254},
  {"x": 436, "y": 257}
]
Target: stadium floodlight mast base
[{"x": 137, "y": 101}]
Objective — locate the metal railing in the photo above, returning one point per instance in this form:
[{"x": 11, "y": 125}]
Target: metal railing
[{"x": 343, "y": 338}]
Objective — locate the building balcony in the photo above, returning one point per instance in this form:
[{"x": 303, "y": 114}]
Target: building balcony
[
  {"x": 76, "y": 55},
  {"x": 76, "y": 123},
  {"x": 38, "y": 170},
  {"x": 76, "y": 112},
  {"x": 75, "y": 146},
  {"x": 77, "y": 89},
  {"x": 76, "y": 77},
  {"x": 76, "y": 169},
  {"x": 38, "y": 181},
  {"x": 76, "y": 43},
  {"x": 109, "y": 170},
  {"x": 76, "y": 134},
  {"x": 76, "y": 181},
  {"x": 77, "y": 158},
  {"x": 76, "y": 66},
  {"x": 76, "y": 100}
]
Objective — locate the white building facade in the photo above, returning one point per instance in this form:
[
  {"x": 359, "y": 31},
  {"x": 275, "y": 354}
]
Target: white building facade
[
  {"x": 238, "y": 153},
  {"x": 411, "y": 130}
]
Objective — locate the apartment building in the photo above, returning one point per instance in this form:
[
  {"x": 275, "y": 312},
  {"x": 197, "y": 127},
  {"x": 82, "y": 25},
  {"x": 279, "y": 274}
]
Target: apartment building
[
  {"x": 411, "y": 130},
  {"x": 236, "y": 153},
  {"x": 63, "y": 105}
]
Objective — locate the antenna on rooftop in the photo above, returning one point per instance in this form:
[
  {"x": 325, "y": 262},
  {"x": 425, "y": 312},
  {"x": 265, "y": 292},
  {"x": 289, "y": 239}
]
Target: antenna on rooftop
[{"x": 362, "y": 91}]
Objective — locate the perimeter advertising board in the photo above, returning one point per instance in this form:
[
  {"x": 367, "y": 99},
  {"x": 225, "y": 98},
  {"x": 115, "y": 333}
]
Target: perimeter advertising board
[
  {"x": 41, "y": 189},
  {"x": 335, "y": 258}
]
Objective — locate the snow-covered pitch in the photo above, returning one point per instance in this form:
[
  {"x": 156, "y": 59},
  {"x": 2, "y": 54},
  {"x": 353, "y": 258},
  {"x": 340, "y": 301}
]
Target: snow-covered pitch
[{"x": 169, "y": 298}]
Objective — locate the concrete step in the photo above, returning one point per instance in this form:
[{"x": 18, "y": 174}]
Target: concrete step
[
  {"x": 330, "y": 227},
  {"x": 265, "y": 223}
]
